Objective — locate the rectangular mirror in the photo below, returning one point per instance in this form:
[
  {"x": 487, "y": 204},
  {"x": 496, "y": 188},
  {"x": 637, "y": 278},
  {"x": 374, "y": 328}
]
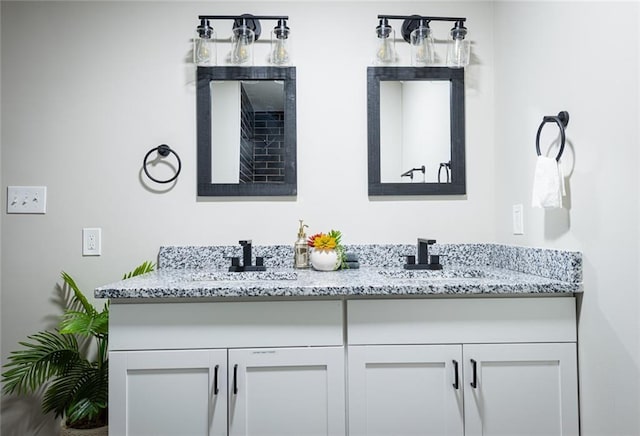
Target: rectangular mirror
[
  {"x": 246, "y": 131},
  {"x": 416, "y": 131}
]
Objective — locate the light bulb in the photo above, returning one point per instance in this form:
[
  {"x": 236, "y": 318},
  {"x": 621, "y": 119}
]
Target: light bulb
[
  {"x": 203, "y": 52},
  {"x": 279, "y": 54},
  {"x": 204, "y": 46},
  {"x": 242, "y": 46},
  {"x": 386, "y": 52},
  {"x": 459, "y": 49},
  {"x": 422, "y": 50}
]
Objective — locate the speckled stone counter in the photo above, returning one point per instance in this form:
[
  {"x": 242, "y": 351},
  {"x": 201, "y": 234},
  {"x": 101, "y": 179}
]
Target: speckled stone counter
[{"x": 469, "y": 269}]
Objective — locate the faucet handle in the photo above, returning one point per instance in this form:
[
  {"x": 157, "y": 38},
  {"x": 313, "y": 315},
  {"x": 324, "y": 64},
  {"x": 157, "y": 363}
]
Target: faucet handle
[{"x": 426, "y": 241}]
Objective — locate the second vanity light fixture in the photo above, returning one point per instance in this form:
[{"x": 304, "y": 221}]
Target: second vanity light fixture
[
  {"x": 417, "y": 32},
  {"x": 245, "y": 31}
]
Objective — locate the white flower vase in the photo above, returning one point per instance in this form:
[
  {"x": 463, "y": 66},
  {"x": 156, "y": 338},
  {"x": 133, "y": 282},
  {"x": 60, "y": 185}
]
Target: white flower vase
[{"x": 324, "y": 260}]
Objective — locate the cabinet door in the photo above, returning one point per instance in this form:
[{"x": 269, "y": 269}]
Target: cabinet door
[
  {"x": 168, "y": 393},
  {"x": 521, "y": 389},
  {"x": 405, "y": 390},
  {"x": 288, "y": 391}
]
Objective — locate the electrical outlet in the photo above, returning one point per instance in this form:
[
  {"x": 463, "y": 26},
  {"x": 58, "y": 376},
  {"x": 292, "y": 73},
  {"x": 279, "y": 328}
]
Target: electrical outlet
[
  {"x": 518, "y": 219},
  {"x": 91, "y": 241},
  {"x": 27, "y": 199}
]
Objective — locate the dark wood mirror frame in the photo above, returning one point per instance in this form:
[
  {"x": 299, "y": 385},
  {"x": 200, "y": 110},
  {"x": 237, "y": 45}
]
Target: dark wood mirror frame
[
  {"x": 205, "y": 75},
  {"x": 457, "y": 185}
]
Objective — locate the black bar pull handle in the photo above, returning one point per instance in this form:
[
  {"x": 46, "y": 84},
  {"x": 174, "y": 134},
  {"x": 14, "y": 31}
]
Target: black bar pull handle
[
  {"x": 235, "y": 379},
  {"x": 456, "y": 380},
  {"x": 474, "y": 382},
  {"x": 215, "y": 380}
]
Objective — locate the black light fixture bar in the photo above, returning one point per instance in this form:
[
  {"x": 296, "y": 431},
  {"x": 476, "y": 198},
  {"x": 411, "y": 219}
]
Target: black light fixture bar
[
  {"x": 421, "y": 17},
  {"x": 237, "y": 17}
]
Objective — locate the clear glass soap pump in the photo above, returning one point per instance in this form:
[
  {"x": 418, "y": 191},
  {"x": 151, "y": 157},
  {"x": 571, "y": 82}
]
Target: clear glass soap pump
[{"x": 301, "y": 249}]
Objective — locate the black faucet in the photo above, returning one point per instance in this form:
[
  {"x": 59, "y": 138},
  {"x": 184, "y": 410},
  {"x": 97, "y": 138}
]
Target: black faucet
[
  {"x": 246, "y": 259},
  {"x": 425, "y": 261}
]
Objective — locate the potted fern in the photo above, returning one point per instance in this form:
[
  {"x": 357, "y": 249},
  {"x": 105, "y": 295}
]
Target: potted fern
[{"x": 75, "y": 381}]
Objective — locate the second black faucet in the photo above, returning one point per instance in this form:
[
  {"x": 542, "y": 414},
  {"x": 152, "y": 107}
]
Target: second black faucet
[
  {"x": 425, "y": 261},
  {"x": 246, "y": 259}
]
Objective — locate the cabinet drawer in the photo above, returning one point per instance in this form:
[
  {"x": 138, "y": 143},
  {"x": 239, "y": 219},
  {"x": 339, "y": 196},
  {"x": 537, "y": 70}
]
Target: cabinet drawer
[
  {"x": 461, "y": 320},
  {"x": 225, "y": 325}
]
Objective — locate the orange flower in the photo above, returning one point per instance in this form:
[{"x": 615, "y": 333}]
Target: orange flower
[
  {"x": 312, "y": 239},
  {"x": 325, "y": 242}
]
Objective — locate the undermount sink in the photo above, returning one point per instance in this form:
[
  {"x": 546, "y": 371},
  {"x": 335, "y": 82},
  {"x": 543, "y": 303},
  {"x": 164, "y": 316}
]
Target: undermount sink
[
  {"x": 447, "y": 273},
  {"x": 245, "y": 275}
]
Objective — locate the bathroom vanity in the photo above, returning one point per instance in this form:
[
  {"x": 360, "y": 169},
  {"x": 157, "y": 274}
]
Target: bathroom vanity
[{"x": 485, "y": 346}]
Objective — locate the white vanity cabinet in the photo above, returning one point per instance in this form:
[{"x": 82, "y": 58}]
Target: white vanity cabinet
[
  {"x": 405, "y": 390},
  {"x": 283, "y": 392},
  {"x": 213, "y": 369},
  {"x": 387, "y": 367},
  {"x": 175, "y": 392},
  {"x": 464, "y": 367},
  {"x": 520, "y": 389}
]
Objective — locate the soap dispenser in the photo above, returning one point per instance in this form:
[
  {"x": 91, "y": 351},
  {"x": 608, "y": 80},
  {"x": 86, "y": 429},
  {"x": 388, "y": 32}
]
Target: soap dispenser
[{"x": 301, "y": 249}]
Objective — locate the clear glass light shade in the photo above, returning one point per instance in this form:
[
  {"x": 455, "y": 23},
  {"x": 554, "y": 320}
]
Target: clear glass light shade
[
  {"x": 458, "y": 53},
  {"x": 386, "y": 49},
  {"x": 279, "y": 54},
  {"x": 386, "y": 45},
  {"x": 204, "y": 50},
  {"x": 422, "y": 47},
  {"x": 242, "y": 46}
]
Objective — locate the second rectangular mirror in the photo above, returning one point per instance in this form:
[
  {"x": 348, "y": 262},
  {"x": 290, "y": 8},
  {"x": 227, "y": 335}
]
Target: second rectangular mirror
[{"x": 416, "y": 131}]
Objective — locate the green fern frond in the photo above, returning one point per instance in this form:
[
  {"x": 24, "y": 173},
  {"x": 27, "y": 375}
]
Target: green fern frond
[
  {"x": 63, "y": 389},
  {"x": 81, "y": 323},
  {"x": 79, "y": 296},
  {"x": 141, "y": 269},
  {"x": 48, "y": 355}
]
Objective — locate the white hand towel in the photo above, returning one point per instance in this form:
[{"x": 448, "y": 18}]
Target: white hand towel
[{"x": 548, "y": 184}]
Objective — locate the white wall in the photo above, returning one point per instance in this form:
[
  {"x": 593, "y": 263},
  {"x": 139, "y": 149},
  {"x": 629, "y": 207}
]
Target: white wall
[
  {"x": 89, "y": 87},
  {"x": 583, "y": 58}
]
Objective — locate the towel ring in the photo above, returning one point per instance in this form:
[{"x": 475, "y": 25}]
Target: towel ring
[
  {"x": 163, "y": 150},
  {"x": 562, "y": 119}
]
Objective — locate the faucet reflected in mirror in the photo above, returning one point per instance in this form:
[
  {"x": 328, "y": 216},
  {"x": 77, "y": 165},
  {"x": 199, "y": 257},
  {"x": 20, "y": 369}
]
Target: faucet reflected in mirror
[{"x": 416, "y": 116}]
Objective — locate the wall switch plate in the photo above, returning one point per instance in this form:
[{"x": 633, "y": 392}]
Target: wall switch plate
[
  {"x": 26, "y": 199},
  {"x": 91, "y": 241},
  {"x": 518, "y": 219}
]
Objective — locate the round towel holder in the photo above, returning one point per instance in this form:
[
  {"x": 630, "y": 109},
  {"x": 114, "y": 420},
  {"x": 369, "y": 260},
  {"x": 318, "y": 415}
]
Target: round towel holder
[
  {"x": 163, "y": 150},
  {"x": 562, "y": 119}
]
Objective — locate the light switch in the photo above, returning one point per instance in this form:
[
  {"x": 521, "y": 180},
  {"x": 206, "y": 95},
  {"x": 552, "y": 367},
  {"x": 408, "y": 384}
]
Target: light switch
[
  {"x": 518, "y": 220},
  {"x": 27, "y": 199}
]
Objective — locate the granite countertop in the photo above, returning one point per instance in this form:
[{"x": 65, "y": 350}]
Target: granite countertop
[
  {"x": 170, "y": 283},
  {"x": 186, "y": 272}
]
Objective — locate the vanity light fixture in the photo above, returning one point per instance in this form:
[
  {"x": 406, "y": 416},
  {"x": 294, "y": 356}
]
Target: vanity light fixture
[
  {"x": 386, "y": 51},
  {"x": 204, "y": 45},
  {"x": 459, "y": 50},
  {"x": 422, "y": 46},
  {"x": 245, "y": 32},
  {"x": 417, "y": 32},
  {"x": 279, "y": 54}
]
